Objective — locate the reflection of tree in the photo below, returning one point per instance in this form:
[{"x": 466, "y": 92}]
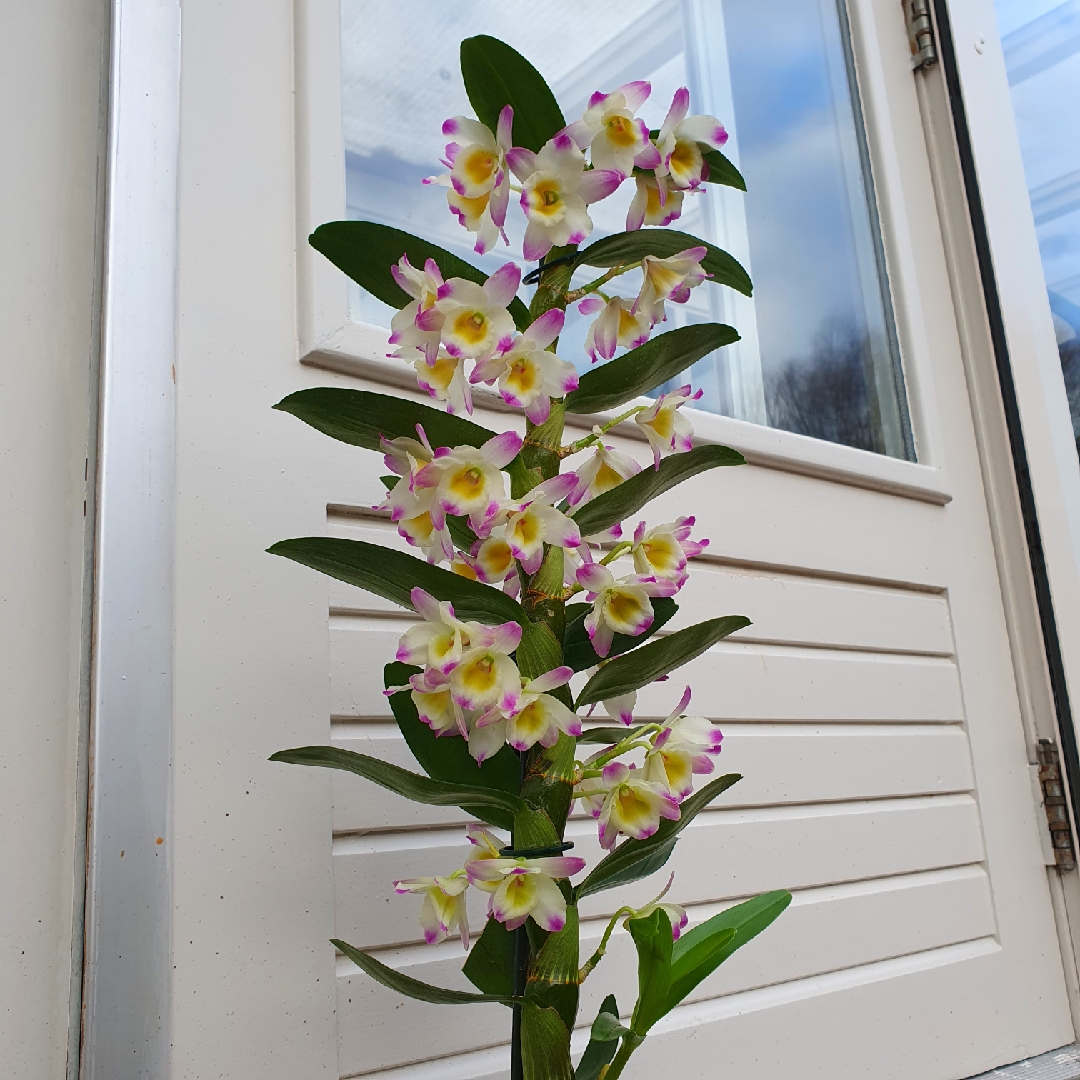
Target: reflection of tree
[
  {"x": 828, "y": 394},
  {"x": 1069, "y": 351}
]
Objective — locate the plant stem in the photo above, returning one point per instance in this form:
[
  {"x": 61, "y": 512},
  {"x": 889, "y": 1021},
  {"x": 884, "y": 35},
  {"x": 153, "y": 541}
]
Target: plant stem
[
  {"x": 593, "y": 286},
  {"x": 589, "y": 440},
  {"x": 630, "y": 1043},
  {"x": 597, "y": 956}
]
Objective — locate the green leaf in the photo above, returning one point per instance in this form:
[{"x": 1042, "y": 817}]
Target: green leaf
[
  {"x": 606, "y": 1027},
  {"x": 700, "y": 952},
  {"x": 448, "y": 758},
  {"x": 721, "y": 170},
  {"x": 365, "y": 250},
  {"x": 578, "y": 652},
  {"x": 634, "y": 859},
  {"x": 652, "y": 936},
  {"x": 545, "y": 1045},
  {"x": 414, "y": 988},
  {"x": 600, "y": 1051},
  {"x": 393, "y": 575},
  {"x": 647, "y": 367},
  {"x": 490, "y": 963},
  {"x": 608, "y": 735},
  {"x": 359, "y": 417},
  {"x": 632, "y": 494},
  {"x": 496, "y": 75},
  {"x": 421, "y": 789},
  {"x": 627, "y": 247},
  {"x": 650, "y": 662},
  {"x": 539, "y": 650}
]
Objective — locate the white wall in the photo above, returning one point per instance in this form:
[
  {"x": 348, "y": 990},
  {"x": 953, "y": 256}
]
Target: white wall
[{"x": 52, "y": 57}]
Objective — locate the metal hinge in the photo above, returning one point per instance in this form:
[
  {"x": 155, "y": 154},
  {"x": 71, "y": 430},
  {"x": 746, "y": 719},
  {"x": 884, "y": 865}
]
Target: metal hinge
[
  {"x": 1057, "y": 813},
  {"x": 920, "y": 30}
]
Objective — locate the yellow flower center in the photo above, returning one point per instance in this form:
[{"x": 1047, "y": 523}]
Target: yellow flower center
[
  {"x": 527, "y": 530},
  {"x": 606, "y": 478},
  {"x": 471, "y": 327},
  {"x": 623, "y": 608},
  {"x": 479, "y": 166},
  {"x": 530, "y": 722},
  {"x": 685, "y": 158},
  {"x": 479, "y": 676},
  {"x": 496, "y": 557},
  {"x": 467, "y": 483},
  {"x": 620, "y": 130},
  {"x": 463, "y": 569},
  {"x": 522, "y": 376},
  {"x": 546, "y": 198},
  {"x": 632, "y": 807},
  {"x": 664, "y": 423}
]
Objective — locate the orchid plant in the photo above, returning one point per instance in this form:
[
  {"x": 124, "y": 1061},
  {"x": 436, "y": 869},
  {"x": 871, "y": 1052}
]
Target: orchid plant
[{"x": 523, "y": 593}]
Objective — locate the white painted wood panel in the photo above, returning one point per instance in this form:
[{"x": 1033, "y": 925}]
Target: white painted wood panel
[
  {"x": 732, "y": 680},
  {"x": 780, "y": 763},
  {"x": 826, "y": 929},
  {"x": 722, "y": 853}
]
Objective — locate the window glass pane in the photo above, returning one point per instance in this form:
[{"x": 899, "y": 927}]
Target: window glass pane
[
  {"x": 818, "y": 353},
  {"x": 1041, "y": 42}
]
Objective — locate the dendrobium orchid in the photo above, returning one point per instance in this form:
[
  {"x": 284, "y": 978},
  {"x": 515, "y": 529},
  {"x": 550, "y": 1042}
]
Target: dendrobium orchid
[
  {"x": 662, "y": 551},
  {"x": 468, "y": 482},
  {"x": 652, "y": 205},
  {"x": 668, "y": 431},
  {"x": 617, "y": 326},
  {"x": 483, "y": 675},
  {"x": 529, "y": 375},
  {"x": 423, "y": 286},
  {"x": 624, "y": 801},
  {"x": 556, "y": 190},
  {"x": 536, "y": 717},
  {"x": 619, "y": 606},
  {"x": 474, "y": 321},
  {"x": 535, "y": 522},
  {"x": 526, "y": 887},
  {"x": 443, "y": 909},
  {"x": 669, "y": 279},
  {"x": 680, "y": 140},
  {"x": 478, "y": 182},
  {"x": 606, "y": 468},
  {"x": 609, "y": 130},
  {"x": 684, "y": 746},
  {"x": 676, "y": 913}
]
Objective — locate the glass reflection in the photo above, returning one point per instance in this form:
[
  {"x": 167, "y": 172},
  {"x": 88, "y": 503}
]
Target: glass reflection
[
  {"x": 818, "y": 353},
  {"x": 1041, "y": 42}
]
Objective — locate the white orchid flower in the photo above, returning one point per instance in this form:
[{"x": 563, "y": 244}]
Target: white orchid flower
[
  {"x": 617, "y": 326},
  {"x": 618, "y": 606},
  {"x": 556, "y": 190},
  {"x": 615, "y": 139},
  {"x": 526, "y": 887},
  {"x": 406, "y": 457},
  {"x": 443, "y": 910},
  {"x": 530, "y": 376},
  {"x": 625, "y": 802},
  {"x": 475, "y": 323},
  {"x": 676, "y": 913},
  {"x": 485, "y": 674},
  {"x": 668, "y": 431},
  {"x": 680, "y": 140},
  {"x": 493, "y": 559},
  {"x": 438, "y": 641},
  {"x": 443, "y": 377},
  {"x": 605, "y": 469},
  {"x": 669, "y": 279},
  {"x": 534, "y": 522},
  {"x": 468, "y": 480},
  {"x": 621, "y": 708},
  {"x": 478, "y": 182},
  {"x": 652, "y": 205},
  {"x": 538, "y": 717},
  {"x": 487, "y": 847},
  {"x": 683, "y": 746},
  {"x": 663, "y": 551},
  {"x": 423, "y": 286},
  {"x": 420, "y": 531},
  {"x": 434, "y": 705}
]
